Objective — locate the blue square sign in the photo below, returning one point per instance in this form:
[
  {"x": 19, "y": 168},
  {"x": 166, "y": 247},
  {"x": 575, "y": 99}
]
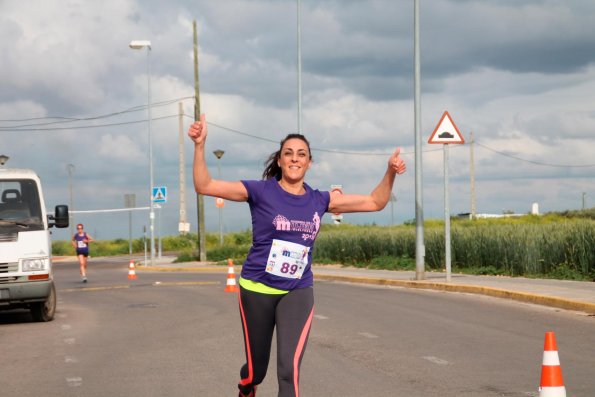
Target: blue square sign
[{"x": 160, "y": 194}]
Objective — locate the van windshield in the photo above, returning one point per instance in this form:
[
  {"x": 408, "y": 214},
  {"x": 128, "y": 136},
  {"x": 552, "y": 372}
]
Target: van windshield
[{"x": 20, "y": 207}]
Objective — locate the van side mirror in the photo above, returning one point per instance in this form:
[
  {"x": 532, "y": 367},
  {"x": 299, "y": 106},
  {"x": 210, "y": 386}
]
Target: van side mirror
[{"x": 61, "y": 217}]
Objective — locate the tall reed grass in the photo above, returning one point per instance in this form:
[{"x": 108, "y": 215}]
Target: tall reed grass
[
  {"x": 513, "y": 248},
  {"x": 557, "y": 246}
]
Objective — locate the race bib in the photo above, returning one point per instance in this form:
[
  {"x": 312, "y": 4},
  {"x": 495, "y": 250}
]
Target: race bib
[
  {"x": 287, "y": 259},
  {"x": 81, "y": 244}
]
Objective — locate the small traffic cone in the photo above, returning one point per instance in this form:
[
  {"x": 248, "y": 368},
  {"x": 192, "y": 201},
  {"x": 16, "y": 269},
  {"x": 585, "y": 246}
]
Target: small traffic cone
[
  {"x": 551, "y": 384},
  {"x": 231, "y": 278},
  {"x": 131, "y": 272}
]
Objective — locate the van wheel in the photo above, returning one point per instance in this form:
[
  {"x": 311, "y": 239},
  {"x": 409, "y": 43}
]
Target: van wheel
[{"x": 44, "y": 311}]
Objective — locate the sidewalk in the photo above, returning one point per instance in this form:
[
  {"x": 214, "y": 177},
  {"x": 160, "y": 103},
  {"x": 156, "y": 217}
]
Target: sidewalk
[{"x": 563, "y": 294}]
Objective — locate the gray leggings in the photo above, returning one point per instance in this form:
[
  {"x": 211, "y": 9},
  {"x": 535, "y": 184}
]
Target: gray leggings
[{"x": 292, "y": 314}]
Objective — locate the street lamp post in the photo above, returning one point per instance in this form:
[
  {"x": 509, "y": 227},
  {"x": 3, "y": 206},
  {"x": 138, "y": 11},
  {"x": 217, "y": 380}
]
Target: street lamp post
[
  {"x": 420, "y": 249},
  {"x": 299, "y": 66},
  {"x": 219, "y": 153},
  {"x": 138, "y": 45}
]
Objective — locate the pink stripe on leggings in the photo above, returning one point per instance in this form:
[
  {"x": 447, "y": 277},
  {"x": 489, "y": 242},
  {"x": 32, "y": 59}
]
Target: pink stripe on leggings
[
  {"x": 247, "y": 380},
  {"x": 298, "y": 352}
]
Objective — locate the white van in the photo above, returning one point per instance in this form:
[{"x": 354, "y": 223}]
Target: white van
[{"x": 26, "y": 279}]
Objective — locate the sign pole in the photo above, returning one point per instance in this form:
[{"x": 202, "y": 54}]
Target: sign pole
[
  {"x": 445, "y": 133},
  {"x": 447, "y": 254}
]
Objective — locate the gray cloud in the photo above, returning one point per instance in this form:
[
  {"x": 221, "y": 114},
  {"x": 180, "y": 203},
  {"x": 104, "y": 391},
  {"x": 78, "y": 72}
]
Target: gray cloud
[{"x": 519, "y": 74}]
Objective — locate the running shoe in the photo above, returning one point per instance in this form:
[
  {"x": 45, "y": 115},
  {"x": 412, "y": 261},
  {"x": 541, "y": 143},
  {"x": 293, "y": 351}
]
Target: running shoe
[{"x": 252, "y": 393}]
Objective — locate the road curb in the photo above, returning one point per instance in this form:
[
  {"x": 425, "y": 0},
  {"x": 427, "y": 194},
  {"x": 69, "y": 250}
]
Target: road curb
[
  {"x": 560, "y": 303},
  {"x": 203, "y": 269},
  {"x": 556, "y": 302}
]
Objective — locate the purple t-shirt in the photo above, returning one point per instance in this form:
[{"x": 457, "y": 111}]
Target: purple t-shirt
[
  {"x": 284, "y": 219},
  {"x": 81, "y": 246}
]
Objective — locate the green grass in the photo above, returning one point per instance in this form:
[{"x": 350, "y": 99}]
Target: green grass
[{"x": 557, "y": 245}]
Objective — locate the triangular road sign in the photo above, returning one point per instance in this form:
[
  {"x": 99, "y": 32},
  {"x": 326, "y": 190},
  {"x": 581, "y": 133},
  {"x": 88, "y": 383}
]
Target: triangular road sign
[{"x": 446, "y": 132}]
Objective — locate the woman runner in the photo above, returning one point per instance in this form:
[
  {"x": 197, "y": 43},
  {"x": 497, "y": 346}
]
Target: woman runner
[
  {"x": 80, "y": 241},
  {"x": 276, "y": 279}
]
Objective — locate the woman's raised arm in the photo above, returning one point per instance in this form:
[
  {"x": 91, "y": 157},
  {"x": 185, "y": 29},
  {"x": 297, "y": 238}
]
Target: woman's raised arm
[
  {"x": 378, "y": 198},
  {"x": 203, "y": 183}
]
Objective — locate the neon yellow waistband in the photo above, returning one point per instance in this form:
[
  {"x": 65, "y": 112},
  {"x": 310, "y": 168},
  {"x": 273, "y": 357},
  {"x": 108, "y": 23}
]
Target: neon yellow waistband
[{"x": 255, "y": 286}]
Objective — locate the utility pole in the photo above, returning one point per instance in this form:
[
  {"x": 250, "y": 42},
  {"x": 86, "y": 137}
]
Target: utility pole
[
  {"x": 70, "y": 168},
  {"x": 219, "y": 153},
  {"x": 130, "y": 202},
  {"x": 183, "y": 225},
  {"x": 472, "y": 176},
  {"x": 584, "y": 196},
  {"x": 393, "y": 200},
  {"x": 200, "y": 202}
]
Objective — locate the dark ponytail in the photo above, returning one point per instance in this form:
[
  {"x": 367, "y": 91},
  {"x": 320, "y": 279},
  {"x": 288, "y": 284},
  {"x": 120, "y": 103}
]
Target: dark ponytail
[{"x": 271, "y": 166}]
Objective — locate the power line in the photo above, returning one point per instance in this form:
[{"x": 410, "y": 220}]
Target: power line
[
  {"x": 59, "y": 119},
  {"x": 20, "y": 128},
  {"x": 536, "y": 162},
  {"x": 7, "y": 129},
  {"x": 406, "y": 153},
  {"x": 313, "y": 148}
]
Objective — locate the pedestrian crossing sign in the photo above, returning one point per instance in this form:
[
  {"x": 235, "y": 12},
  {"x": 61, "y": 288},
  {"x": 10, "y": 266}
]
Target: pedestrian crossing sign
[{"x": 160, "y": 194}]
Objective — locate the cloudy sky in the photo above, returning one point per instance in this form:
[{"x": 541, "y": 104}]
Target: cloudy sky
[{"x": 518, "y": 74}]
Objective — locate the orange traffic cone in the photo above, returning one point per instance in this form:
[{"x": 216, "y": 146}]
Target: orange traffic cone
[
  {"x": 551, "y": 384},
  {"x": 231, "y": 278},
  {"x": 131, "y": 272}
]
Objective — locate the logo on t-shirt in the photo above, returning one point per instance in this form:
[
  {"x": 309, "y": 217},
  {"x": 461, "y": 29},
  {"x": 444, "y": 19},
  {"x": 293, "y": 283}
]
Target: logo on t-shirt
[{"x": 309, "y": 230}]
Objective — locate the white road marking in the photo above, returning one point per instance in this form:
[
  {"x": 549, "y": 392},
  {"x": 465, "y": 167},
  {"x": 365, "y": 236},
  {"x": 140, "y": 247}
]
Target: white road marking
[
  {"x": 74, "y": 381},
  {"x": 368, "y": 335},
  {"x": 320, "y": 317},
  {"x": 66, "y": 327},
  {"x": 69, "y": 341},
  {"x": 436, "y": 360},
  {"x": 70, "y": 359}
]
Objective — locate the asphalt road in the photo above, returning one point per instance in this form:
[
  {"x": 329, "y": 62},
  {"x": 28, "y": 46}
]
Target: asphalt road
[{"x": 178, "y": 334}]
